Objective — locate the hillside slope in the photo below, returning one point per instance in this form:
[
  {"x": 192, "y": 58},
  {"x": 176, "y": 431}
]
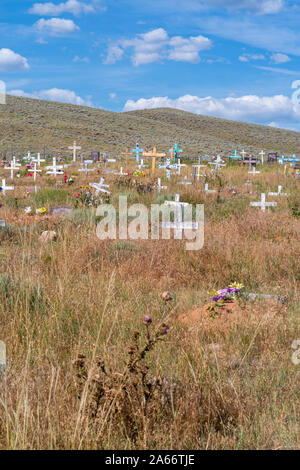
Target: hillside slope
[{"x": 29, "y": 124}]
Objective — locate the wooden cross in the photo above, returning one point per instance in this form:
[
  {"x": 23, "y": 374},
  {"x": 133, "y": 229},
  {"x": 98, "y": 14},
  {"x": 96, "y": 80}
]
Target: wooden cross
[
  {"x": 86, "y": 169},
  {"x": 159, "y": 186},
  {"x": 153, "y": 155},
  {"x": 217, "y": 163},
  {"x": 174, "y": 152},
  {"x": 243, "y": 153},
  {"x": 254, "y": 172},
  {"x": 196, "y": 171},
  {"x": 55, "y": 170},
  {"x": 100, "y": 187},
  {"x": 137, "y": 151},
  {"x": 178, "y": 225},
  {"x": 263, "y": 204},
  {"x": 209, "y": 191},
  {"x": 35, "y": 171},
  {"x": 185, "y": 181},
  {"x": 12, "y": 168},
  {"x": 235, "y": 156},
  {"x": 38, "y": 160},
  {"x": 127, "y": 154},
  {"x": 5, "y": 188},
  {"x": 262, "y": 153},
  {"x": 279, "y": 192},
  {"x": 74, "y": 148}
]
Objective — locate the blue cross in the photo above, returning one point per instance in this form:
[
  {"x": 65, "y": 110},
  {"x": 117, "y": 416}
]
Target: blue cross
[
  {"x": 176, "y": 151},
  {"x": 137, "y": 150},
  {"x": 293, "y": 160},
  {"x": 235, "y": 156}
]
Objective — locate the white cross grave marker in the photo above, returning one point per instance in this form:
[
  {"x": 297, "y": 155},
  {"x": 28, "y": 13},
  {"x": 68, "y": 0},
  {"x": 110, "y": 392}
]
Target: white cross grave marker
[
  {"x": 262, "y": 153},
  {"x": 254, "y": 172},
  {"x": 74, "y": 148},
  {"x": 2, "y": 357},
  {"x": 263, "y": 204},
  {"x": 178, "y": 225},
  {"x": 243, "y": 153},
  {"x": 196, "y": 171},
  {"x": 159, "y": 186},
  {"x": 86, "y": 169},
  {"x": 55, "y": 169},
  {"x": 38, "y": 160},
  {"x": 12, "y": 168},
  {"x": 209, "y": 191},
  {"x": 35, "y": 171},
  {"x": 100, "y": 187},
  {"x": 279, "y": 192},
  {"x": 6, "y": 188}
]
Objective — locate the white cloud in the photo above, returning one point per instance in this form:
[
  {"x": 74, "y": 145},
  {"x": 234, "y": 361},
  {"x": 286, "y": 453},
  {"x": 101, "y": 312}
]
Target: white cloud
[
  {"x": 156, "y": 45},
  {"x": 261, "y": 7},
  {"x": 248, "y": 57},
  {"x": 114, "y": 54},
  {"x": 245, "y": 108},
  {"x": 54, "y": 94},
  {"x": 280, "y": 58},
  {"x": 70, "y": 6},
  {"x": 56, "y": 26},
  {"x": 81, "y": 59},
  {"x": 187, "y": 50},
  {"x": 10, "y": 61}
]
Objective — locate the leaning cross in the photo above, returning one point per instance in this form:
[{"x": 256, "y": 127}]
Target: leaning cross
[
  {"x": 279, "y": 192},
  {"x": 263, "y": 204}
]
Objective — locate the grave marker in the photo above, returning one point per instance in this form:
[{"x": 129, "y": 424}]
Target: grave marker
[
  {"x": 153, "y": 155},
  {"x": 5, "y": 188},
  {"x": 263, "y": 204},
  {"x": 2, "y": 357},
  {"x": 100, "y": 187},
  {"x": 279, "y": 192},
  {"x": 74, "y": 148},
  {"x": 178, "y": 225},
  {"x": 137, "y": 151},
  {"x": 174, "y": 152}
]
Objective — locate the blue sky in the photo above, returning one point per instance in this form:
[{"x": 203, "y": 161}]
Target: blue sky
[{"x": 231, "y": 59}]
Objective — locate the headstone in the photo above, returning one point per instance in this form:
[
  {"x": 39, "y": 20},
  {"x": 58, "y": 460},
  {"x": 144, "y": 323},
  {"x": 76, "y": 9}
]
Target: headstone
[{"x": 63, "y": 210}]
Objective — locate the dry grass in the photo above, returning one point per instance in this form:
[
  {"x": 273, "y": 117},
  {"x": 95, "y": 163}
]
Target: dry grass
[{"x": 218, "y": 386}]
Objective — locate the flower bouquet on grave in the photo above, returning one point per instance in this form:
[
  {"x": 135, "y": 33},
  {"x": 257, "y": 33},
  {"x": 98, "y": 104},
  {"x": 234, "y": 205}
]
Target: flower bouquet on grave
[
  {"x": 41, "y": 211},
  {"x": 70, "y": 180},
  {"x": 224, "y": 296}
]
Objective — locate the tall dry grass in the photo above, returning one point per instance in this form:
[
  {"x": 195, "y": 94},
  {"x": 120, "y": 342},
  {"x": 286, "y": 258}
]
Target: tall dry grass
[{"x": 84, "y": 371}]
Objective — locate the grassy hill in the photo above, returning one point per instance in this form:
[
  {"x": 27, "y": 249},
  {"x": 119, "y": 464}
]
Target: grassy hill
[{"x": 29, "y": 124}]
